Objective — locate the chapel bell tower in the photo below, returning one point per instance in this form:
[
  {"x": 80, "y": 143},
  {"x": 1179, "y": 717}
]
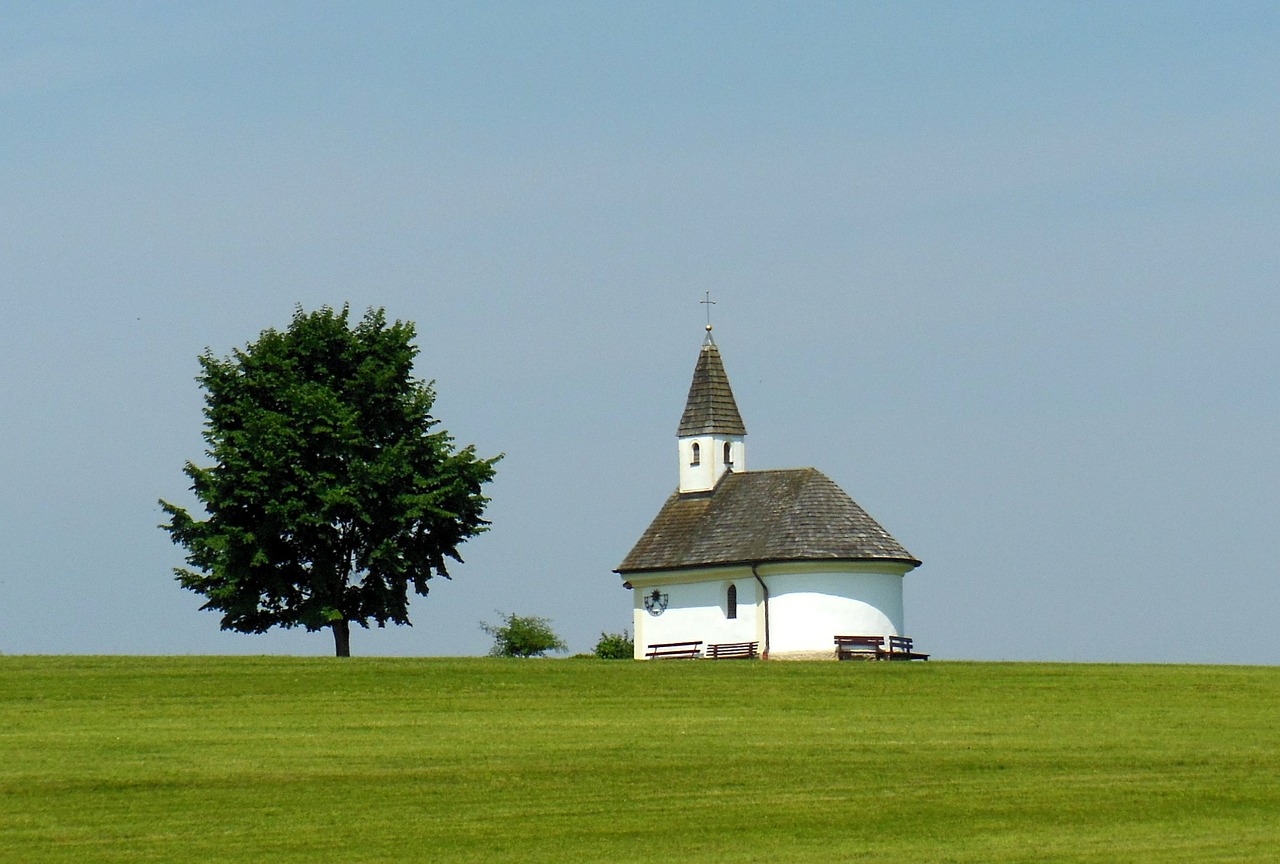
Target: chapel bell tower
[{"x": 711, "y": 434}]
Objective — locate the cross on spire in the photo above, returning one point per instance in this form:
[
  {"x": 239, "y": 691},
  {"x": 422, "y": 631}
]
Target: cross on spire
[{"x": 708, "y": 302}]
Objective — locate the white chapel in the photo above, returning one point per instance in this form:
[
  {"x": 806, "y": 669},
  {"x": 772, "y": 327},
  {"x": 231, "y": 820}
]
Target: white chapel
[{"x": 783, "y": 558}]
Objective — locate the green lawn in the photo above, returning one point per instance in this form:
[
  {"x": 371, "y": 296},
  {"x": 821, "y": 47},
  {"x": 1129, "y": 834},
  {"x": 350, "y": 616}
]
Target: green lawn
[{"x": 183, "y": 759}]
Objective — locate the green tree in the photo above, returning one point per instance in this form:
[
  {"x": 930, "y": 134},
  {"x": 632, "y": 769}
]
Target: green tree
[
  {"x": 523, "y": 636},
  {"x": 332, "y": 491},
  {"x": 615, "y": 646}
]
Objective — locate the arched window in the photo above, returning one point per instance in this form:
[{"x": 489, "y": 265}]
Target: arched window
[
  {"x": 697, "y": 454},
  {"x": 731, "y": 602},
  {"x": 728, "y": 455}
]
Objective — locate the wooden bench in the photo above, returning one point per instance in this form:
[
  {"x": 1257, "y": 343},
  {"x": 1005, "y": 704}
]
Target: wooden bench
[
  {"x": 733, "y": 651},
  {"x": 900, "y": 648},
  {"x": 860, "y": 647},
  {"x": 674, "y": 650}
]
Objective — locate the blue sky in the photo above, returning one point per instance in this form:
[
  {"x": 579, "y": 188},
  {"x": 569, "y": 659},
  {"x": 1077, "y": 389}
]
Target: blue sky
[{"x": 1006, "y": 272}]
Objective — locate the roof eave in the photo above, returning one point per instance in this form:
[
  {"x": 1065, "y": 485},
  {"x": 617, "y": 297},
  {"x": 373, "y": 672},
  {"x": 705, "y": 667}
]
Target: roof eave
[{"x": 748, "y": 562}]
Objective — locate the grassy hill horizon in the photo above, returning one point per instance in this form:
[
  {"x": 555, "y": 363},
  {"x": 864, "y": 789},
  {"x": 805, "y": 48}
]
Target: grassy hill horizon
[{"x": 479, "y": 759}]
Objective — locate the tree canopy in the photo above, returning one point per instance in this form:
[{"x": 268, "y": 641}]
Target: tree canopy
[
  {"x": 522, "y": 636},
  {"x": 333, "y": 491}
]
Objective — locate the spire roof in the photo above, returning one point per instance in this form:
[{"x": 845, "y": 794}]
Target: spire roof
[{"x": 710, "y": 408}]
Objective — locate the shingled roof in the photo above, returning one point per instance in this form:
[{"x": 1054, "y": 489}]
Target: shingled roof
[
  {"x": 710, "y": 408},
  {"x": 796, "y": 514}
]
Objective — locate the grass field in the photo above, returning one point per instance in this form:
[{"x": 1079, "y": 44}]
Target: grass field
[{"x": 320, "y": 760}]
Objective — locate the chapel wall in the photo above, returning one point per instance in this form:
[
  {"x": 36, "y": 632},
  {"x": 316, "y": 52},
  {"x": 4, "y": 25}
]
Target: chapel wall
[
  {"x": 806, "y": 610},
  {"x": 698, "y": 610}
]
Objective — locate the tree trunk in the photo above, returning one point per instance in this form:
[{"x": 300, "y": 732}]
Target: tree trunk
[{"x": 342, "y": 638}]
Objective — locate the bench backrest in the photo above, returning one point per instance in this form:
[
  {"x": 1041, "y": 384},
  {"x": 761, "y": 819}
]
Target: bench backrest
[
  {"x": 733, "y": 649},
  {"x": 674, "y": 649},
  {"x": 861, "y": 641}
]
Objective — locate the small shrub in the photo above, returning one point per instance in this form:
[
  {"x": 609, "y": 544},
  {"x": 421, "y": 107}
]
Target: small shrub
[
  {"x": 616, "y": 646},
  {"x": 522, "y": 636}
]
